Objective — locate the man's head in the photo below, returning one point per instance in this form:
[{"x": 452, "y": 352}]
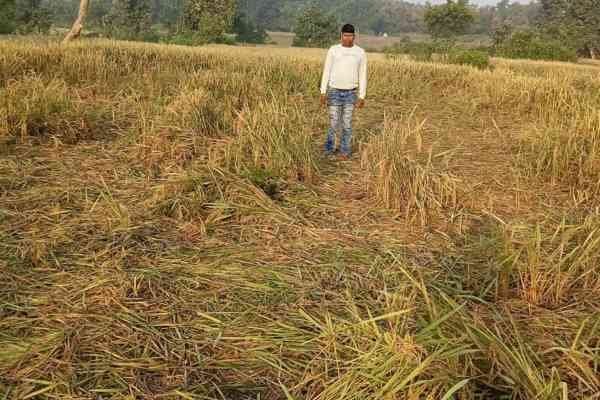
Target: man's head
[{"x": 348, "y": 35}]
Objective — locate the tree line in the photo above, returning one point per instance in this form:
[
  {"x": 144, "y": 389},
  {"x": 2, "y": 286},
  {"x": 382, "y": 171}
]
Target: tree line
[
  {"x": 575, "y": 23},
  {"x": 372, "y": 16}
]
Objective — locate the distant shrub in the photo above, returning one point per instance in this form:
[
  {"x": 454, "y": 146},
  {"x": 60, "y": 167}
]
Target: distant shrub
[
  {"x": 225, "y": 39},
  {"x": 530, "y": 45},
  {"x": 473, "y": 58},
  {"x": 190, "y": 38},
  {"x": 120, "y": 33},
  {"x": 419, "y": 51},
  {"x": 33, "y": 19},
  {"x": 445, "y": 50},
  {"x": 443, "y": 46},
  {"x": 489, "y": 50},
  {"x": 7, "y": 17},
  {"x": 247, "y": 32},
  {"x": 315, "y": 29}
]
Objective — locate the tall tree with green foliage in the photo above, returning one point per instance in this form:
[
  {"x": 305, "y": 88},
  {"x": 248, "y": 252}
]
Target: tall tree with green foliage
[
  {"x": 130, "y": 19},
  {"x": 247, "y": 31},
  {"x": 64, "y": 12},
  {"x": 210, "y": 18},
  {"x": 167, "y": 12},
  {"x": 450, "y": 19},
  {"x": 268, "y": 11},
  {"x": 576, "y": 22},
  {"x": 514, "y": 16},
  {"x": 8, "y": 15},
  {"x": 314, "y": 28},
  {"x": 32, "y": 16}
]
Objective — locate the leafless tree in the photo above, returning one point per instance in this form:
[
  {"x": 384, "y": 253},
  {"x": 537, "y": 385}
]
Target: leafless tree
[{"x": 75, "y": 32}]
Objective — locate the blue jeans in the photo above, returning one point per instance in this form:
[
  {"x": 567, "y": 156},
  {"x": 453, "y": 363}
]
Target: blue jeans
[{"x": 341, "y": 106}]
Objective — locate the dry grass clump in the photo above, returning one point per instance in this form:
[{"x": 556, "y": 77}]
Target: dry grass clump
[
  {"x": 208, "y": 198},
  {"x": 565, "y": 152},
  {"x": 198, "y": 112},
  {"x": 551, "y": 265},
  {"x": 275, "y": 136},
  {"x": 36, "y": 109},
  {"x": 404, "y": 177},
  {"x": 209, "y": 103},
  {"x": 515, "y": 367}
]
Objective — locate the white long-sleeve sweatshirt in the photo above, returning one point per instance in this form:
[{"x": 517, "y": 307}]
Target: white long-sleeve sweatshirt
[{"x": 345, "y": 68}]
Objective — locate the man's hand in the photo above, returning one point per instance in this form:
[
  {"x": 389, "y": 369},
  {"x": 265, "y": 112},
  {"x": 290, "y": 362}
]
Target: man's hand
[
  {"x": 360, "y": 103},
  {"x": 323, "y": 100}
]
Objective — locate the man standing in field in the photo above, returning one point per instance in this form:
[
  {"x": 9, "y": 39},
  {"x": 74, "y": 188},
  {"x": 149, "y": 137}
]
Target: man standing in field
[{"x": 345, "y": 71}]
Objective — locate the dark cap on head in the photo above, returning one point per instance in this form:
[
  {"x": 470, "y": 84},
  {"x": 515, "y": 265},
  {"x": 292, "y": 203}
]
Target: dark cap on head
[{"x": 348, "y": 28}]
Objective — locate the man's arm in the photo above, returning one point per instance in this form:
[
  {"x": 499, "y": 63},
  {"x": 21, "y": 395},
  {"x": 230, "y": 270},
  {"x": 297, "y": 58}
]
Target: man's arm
[
  {"x": 326, "y": 75},
  {"x": 362, "y": 77},
  {"x": 362, "y": 81}
]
